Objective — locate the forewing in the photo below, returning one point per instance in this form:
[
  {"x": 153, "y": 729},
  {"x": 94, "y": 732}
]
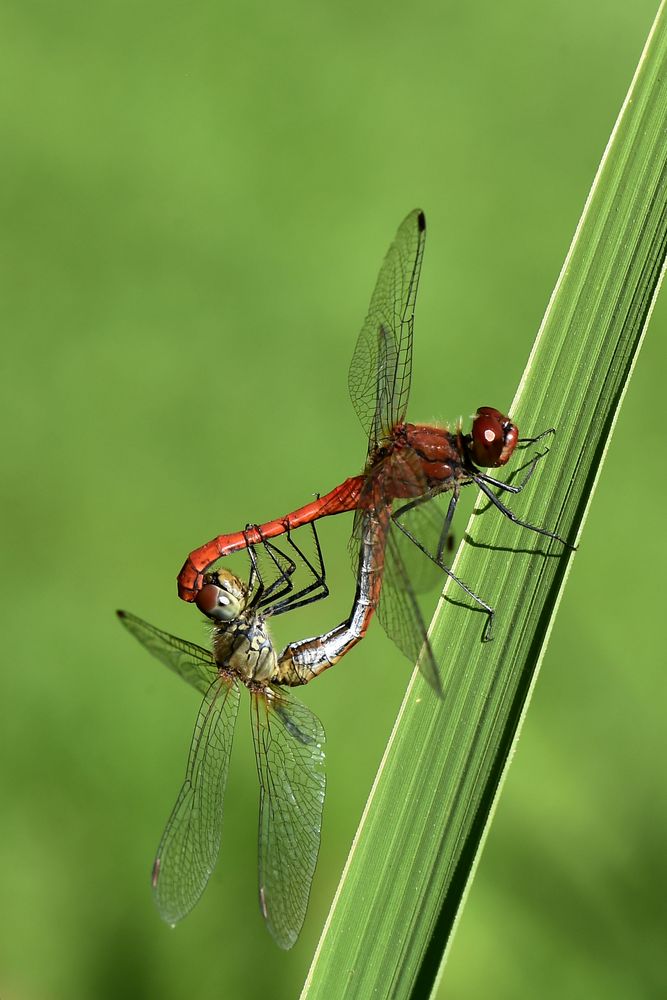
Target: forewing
[
  {"x": 400, "y": 615},
  {"x": 191, "y": 662},
  {"x": 381, "y": 367},
  {"x": 190, "y": 843},
  {"x": 289, "y": 746}
]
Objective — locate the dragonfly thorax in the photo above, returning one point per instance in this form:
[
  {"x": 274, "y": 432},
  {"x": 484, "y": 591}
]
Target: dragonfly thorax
[{"x": 244, "y": 647}]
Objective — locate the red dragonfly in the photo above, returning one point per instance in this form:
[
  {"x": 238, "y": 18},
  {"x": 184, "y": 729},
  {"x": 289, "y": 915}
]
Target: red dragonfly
[
  {"x": 288, "y": 737},
  {"x": 406, "y": 466}
]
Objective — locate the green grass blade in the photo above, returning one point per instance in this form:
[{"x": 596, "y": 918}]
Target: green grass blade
[{"x": 420, "y": 835}]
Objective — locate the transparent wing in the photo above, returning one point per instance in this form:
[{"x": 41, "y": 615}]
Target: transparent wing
[
  {"x": 399, "y": 613},
  {"x": 381, "y": 367},
  {"x": 191, "y": 662},
  {"x": 289, "y": 745},
  {"x": 422, "y": 573},
  {"x": 190, "y": 843}
]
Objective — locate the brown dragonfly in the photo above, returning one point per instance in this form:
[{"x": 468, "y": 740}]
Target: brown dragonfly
[{"x": 289, "y": 739}]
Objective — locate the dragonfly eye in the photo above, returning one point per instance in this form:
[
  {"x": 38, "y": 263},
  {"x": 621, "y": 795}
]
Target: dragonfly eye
[
  {"x": 494, "y": 437},
  {"x": 218, "y": 603}
]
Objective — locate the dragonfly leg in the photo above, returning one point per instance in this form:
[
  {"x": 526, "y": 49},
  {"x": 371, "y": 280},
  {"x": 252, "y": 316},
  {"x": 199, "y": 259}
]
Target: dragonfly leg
[
  {"x": 269, "y": 596},
  {"x": 284, "y": 565},
  {"x": 438, "y": 560},
  {"x": 255, "y": 582},
  {"x": 317, "y": 590},
  {"x": 508, "y": 487},
  {"x": 482, "y": 483},
  {"x": 523, "y": 442},
  {"x": 447, "y": 524}
]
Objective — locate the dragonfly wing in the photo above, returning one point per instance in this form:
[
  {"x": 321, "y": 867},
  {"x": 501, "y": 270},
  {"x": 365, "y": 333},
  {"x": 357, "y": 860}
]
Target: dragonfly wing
[
  {"x": 399, "y": 613},
  {"x": 190, "y": 843},
  {"x": 289, "y": 746},
  {"x": 381, "y": 367},
  {"x": 191, "y": 662}
]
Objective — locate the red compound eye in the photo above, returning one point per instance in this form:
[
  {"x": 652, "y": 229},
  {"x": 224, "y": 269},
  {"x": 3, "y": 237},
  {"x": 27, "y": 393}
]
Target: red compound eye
[{"x": 494, "y": 437}]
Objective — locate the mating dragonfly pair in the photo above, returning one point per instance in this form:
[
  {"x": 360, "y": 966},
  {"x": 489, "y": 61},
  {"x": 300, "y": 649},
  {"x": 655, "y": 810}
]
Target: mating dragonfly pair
[{"x": 408, "y": 468}]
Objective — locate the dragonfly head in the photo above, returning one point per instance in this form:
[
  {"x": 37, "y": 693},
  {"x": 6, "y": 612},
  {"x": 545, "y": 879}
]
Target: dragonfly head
[
  {"x": 493, "y": 438},
  {"x": 223, "y": 597}
]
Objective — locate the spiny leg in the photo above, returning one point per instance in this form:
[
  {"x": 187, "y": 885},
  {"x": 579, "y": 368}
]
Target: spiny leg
[
  {"x": 447, "y": 524},
  {"x": 266, "y": 593},
  {"x": 508, "y": 487},
  {"x": 306, "y": 596},
  {"x": 437, "y": 559},
  {"x": 524, "y": 442},
  {"x": 254, "y": 577},
  {"x": 510, "y": 515}
]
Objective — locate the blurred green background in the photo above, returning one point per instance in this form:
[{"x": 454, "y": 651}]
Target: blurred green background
[{"x": 196, "y": 201}]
